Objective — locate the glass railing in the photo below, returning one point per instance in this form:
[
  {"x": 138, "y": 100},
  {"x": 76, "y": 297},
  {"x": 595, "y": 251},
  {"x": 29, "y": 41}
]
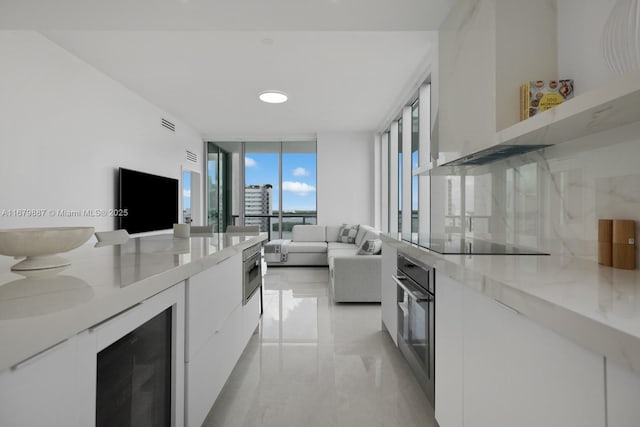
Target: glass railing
[{"x": 271, "y": 223}]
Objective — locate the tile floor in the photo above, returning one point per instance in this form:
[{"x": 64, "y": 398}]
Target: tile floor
[{"x": 315, "y": 363}]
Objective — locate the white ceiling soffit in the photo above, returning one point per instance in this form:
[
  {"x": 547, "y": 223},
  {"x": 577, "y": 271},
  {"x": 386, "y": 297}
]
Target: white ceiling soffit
[
  {"x": 320, "y": 15},
  {"x": 335, "y": 80}
]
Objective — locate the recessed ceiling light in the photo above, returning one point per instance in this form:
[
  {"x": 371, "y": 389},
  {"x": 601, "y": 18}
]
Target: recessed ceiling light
[{"x": 273, "y": 97}]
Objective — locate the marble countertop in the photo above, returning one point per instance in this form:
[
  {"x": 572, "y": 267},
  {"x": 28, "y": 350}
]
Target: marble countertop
[
  {"x": 595, "y": 306},
  {"x": 37, "y": 313}
]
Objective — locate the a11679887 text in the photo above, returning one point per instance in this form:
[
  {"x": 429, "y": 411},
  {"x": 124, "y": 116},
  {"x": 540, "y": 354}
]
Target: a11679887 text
[{"x": 36, "y": 213}]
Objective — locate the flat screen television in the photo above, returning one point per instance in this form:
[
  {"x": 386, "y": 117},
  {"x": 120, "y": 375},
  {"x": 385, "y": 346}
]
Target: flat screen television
[{"x": 151, "y": 201}]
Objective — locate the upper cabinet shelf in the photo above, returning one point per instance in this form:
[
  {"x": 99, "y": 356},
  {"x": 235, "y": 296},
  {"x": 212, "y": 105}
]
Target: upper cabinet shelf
[{"x": 614, "y": 104}]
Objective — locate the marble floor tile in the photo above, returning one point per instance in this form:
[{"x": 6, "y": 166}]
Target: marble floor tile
[{"x": 315, "y": 363}]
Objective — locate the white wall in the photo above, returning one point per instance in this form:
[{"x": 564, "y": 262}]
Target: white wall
[
  {"x": 65, "y": 128},
  {"x": 580, "y": 57},
  {"x": 345, "y": 178}
]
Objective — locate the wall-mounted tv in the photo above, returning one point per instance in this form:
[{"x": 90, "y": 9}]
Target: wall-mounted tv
[{"x": 151, "y": 201}]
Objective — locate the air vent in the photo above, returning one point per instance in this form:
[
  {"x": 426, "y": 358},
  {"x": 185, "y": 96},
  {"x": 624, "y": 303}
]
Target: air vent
[
  {"x": 166, "y": 123},
  {"x": 192, "y": 157}
]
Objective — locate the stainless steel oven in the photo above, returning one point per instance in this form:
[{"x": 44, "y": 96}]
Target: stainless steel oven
[
  {"x": 252, "y": 271},
  {"x": 416, "y": 289}
]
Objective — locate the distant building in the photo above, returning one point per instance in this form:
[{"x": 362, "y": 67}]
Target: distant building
[{"x": 258, "y": 201}]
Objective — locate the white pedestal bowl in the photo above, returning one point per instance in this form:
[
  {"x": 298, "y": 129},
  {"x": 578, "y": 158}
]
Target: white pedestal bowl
[{"x": 40, "y": 246}]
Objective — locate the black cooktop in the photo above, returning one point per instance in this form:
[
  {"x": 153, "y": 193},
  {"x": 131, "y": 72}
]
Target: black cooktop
[{"x": 466, "y": 246}]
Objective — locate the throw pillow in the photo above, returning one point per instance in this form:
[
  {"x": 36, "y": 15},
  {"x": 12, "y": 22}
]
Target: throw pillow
[
  {"x": 348, "y": 233},
  {"x": 370, "y": 247}
]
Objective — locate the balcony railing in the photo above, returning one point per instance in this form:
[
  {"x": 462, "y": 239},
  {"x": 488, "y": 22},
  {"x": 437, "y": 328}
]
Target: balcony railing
[{"x": 271, "y": 224}]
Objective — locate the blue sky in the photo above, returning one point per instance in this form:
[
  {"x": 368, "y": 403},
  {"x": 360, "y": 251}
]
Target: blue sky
[
  {"x": 186, "y": 190},
  {"x": 298, "y": 178}
]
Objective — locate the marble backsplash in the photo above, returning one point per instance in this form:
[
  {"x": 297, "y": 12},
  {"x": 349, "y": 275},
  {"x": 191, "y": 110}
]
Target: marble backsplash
[{"x": 551, "y": 199}]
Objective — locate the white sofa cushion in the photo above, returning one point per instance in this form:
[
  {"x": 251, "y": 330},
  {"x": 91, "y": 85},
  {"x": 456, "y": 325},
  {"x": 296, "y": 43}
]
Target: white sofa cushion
[
  {"x": 308, "y": 233},
  {"x": 307, "y": 247},
  {"x": 333, "y": 233},
  {"x": 370, "y": 235},
  {"x": 343, "y": 251},
  {"x": 348, "y": 233},
  {"x": 370, "y": 247},
  {"x": 340, "y": 245},
  {"x": 362, "y": 231}
]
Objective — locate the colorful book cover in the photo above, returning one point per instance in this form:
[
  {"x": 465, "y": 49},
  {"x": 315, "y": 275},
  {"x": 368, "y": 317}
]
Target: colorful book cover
[{"x": 540, "y": 95}]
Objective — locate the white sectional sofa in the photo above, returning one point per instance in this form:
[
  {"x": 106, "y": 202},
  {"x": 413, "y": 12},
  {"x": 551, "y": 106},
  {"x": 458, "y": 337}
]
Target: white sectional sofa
[{"x": 353, "y": 258}]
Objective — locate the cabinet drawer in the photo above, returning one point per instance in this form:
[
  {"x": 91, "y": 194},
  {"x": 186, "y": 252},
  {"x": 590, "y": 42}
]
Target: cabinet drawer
[
  {"x": 250, "y": 318},
  {"x": 209, "y": 369},
  {"x": 518, "y": 373},
  {"x": 212, "y": 295},
  {"x": 52, "y": 388},
  {"x": 623, "y": 391}
]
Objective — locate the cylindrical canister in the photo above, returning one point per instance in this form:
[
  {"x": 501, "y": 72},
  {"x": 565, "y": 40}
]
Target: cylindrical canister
[
  {"x": 605, "y": 240},
  {"x": 624, "y": 244}
]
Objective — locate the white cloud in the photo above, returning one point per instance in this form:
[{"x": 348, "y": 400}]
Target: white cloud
[
  {"x": 249, "y": 162},
  {"x": 300, "y": 172},
  {"x": 299, "y": 188},
  {"x": 186, "y": 193}
]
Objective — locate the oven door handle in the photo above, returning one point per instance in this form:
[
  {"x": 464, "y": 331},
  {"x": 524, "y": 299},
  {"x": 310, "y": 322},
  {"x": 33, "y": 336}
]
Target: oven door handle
[
  {"x": 411, "y": 292},
  {"x": 253, "y": 260}
]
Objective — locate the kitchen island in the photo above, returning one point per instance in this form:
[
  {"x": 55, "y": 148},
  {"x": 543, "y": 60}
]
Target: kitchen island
[{"x": 44, "y": 317}]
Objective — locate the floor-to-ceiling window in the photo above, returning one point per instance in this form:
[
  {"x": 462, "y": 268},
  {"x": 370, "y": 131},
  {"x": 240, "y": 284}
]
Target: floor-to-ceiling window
[
  {"x": 269, "y": 184},
  {"x": 220, "y": 170},
  {"x": 298, "y": 185},
  {"x": 392, "y": 177},
  {"x": 186, "y": 197},
  {"x": 415, "y": 160},
  {"x": 400, "y": 176},
  {"x": 401, "y": 188},
  {"x": 261, "y": 184}
]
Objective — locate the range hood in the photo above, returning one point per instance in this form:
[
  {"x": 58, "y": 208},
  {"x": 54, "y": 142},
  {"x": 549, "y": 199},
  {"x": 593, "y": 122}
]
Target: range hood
[
  {"x": 493, "y": 154},
  {"x": 612, "y": 105}
]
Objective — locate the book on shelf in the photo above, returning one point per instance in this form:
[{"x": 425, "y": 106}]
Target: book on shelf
[{"x": 540, "y": 95}]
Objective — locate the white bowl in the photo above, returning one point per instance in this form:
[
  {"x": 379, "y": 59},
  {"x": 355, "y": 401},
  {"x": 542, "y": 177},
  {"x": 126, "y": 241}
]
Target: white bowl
[{"x": 40, "y": 245}]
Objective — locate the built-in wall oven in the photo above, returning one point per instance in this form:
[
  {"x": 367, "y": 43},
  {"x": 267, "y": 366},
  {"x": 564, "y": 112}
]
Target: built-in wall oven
[
  {"x": 416, "y": 288},
  {"x": 252, "y": 271}
]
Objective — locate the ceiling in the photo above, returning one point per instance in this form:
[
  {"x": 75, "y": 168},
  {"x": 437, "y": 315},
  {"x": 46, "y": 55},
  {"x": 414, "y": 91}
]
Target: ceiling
[{"x": 347, "y": 65}]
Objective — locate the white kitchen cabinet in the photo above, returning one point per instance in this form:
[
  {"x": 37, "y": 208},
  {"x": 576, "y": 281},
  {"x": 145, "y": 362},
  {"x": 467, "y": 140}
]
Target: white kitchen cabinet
[
  {"x": 57, "y": 387},
  {"x": 218, "y": 329},
  {"x": 211, "y": 297},
  {"x": 250, "y": 319},
  {"x": 517, "y": 373},
  {"x": 49, "y": 388},
  {"x": 449, "y": 351},
  {"x": 209, "y": 369},
  {"x": 389, "y": 301},
  {"x": 623, "y": 396}
]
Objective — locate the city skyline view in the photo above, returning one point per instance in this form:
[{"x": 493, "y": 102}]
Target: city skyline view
[{"x": 298, "y": 178}]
